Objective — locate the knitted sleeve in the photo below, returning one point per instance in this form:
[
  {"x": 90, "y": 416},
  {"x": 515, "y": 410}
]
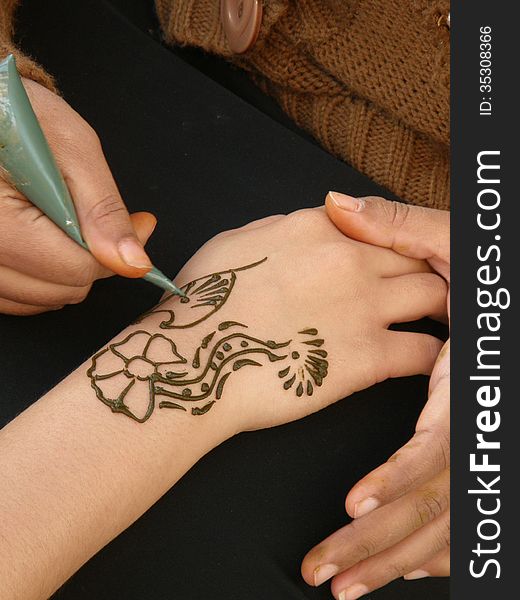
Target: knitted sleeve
[
  {"x": 368, "y": 78},
  {"x": 26, "y": 66}
]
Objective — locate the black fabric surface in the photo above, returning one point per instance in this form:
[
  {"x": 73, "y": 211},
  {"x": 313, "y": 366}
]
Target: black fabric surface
[{"x": 182, "y": 146}]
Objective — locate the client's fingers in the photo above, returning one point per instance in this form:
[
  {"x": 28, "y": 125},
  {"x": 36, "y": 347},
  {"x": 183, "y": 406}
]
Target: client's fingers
[
  {"x": 427, "y": 453},
  {"x": 24, "y": 289},
  {"x": 438, "y": 566},
  {"x": 412, "y": 297},
  {"x": 405, "y": 557},
  {"x": 410, "y": 353},
  {"x": 7, "y": 307},
  {"x": 379, "y": 530}
]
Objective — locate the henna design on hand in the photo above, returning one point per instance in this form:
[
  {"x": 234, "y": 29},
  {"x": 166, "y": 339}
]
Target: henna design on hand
[{"x": 150, "y": 368}]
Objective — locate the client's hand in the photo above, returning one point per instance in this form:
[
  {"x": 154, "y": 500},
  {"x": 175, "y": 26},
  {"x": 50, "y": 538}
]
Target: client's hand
[{"x": 282, "y": 317}]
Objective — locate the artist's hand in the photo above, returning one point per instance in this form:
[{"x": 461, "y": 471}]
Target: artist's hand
[
  {"x": 331, "y": 298},
  {"x": 41, "y": 268},
  {"x": 401, "y": 510}
]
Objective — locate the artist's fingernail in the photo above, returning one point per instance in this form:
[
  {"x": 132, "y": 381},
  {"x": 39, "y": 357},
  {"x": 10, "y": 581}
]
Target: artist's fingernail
[
  {"x": 347, "y": 202},
  {"x": 323, "y": 573},
  {"x": 133, "y": 254},
  {"x": 417, "y": 574},
  {"x": 354, "y": 592},
  {"x": 365, "y": 506}
]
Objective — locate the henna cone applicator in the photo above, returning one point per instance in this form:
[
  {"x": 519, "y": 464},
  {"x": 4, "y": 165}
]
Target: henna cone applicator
[{"x": 28, "y": 164}]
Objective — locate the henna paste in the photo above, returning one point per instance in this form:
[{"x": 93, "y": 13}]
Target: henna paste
[{"x": 151, "y": 368}]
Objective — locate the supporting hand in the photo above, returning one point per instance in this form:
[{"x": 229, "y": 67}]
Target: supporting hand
[{"x": 401, "y": 509}]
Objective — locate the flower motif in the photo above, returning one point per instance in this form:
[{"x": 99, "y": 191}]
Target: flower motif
[{"x": 124, "y": 373}]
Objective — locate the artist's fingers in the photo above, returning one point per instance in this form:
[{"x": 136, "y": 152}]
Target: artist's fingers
[
  {"x": 104, "y": 219},
  {"x": 427, "y": 453},
  {"x": 405, "y": 557},
  {"x": 378, "y": 531},
  {"x": 24, "y": 294},
  {"x": 144, "y": 225},
  {"x": 31, "y": 244},
  {"x": 441, "y": 373},
  {"x": 408, "y": 353},
  {"x": 412, "y": 297},
  {"x": 438, "y": 566},
  {"x": 392, "y": 265},
  {"x": 7, "y": 307},
  {"x": 412, "y": 231},
  {"x": 24, "y": 289}
]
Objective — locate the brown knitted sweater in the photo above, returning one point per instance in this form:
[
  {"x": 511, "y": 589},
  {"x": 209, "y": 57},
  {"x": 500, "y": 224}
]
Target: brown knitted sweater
[{"x": 368, "y": 78}]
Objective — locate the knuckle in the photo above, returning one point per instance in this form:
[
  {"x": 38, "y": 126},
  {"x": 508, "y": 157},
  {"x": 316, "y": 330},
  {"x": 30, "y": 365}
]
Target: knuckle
[
  {"x": 16, "y": 211},
  {"x": 77, "y": 295},
  {"x": 77, "y": 134},
  {"x": 432, "y": 284},
  {"x": 430, "y": 346},
  {"x": 397, "y": 212},
  {"x": 88, "y": 133},
  {"x": 82, "y": 273},
  {"x": 74, "y": 270},
  {"x": 366, "y": 546},
  {"x": 306, "y": 220},
  {"x": 429, "y": 505},
  {"x": 106, "y": 208},
  {"x": 443, "y": 534},
  {"x": 84, "y": 277},
  {"x": 394, "y": 570},
  {"x": 443, "y": 440},
  {"x": 222, "y": 235},
  {"x": 398, "y": 469},
  {"x": 332, "y": 253},
  {"x": 365, "y": 549},
  {"x": 440, "y": 437}
]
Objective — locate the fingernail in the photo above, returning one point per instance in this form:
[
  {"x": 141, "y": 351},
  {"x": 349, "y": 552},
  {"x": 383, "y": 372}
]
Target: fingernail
[
  {"x": 133, "y": 254},
  {"x": 365, "y": 506},
  {"x": 417, "y": 574},
  {"x": 354, "y": 592},
  {"x": 323, "y": 573},
  {"x": 347, "y": 202}
]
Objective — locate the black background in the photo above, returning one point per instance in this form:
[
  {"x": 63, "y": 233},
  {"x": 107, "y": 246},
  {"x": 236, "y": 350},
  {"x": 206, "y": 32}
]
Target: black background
[
  {"x": 203, "y": 160},
  {"x": 470, "y": 135}
]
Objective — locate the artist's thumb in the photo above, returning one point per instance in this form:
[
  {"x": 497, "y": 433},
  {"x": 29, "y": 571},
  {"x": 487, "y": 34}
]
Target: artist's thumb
[
  {"x": 412, "y": 231},
  {"x": 115, "y": 240}
]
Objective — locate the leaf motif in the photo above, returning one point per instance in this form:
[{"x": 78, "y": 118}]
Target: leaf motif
[
  {"x": 200, "y": 301},
  {"x": 204, "y": 296}
]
